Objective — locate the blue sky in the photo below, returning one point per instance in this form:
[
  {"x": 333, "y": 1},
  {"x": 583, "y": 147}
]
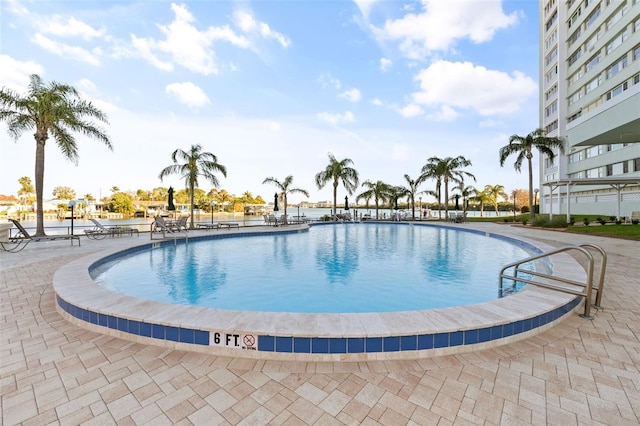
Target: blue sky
[{"x": 272, "y": 87}]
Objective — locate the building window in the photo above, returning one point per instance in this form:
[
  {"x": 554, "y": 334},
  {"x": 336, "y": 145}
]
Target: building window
[
  {"x": 552, "y": 108},
  {"x": 551, "y": 40},
  {"x": 636, "y": 164},
  {"x": 552, "y": 20},
  {"x": 593, "y": 61},
  {"x": 574, "y": 57},
  {"x": 551, "y": 56},
  {"x": 617, "y": 41},
  {"x": 592, "y": 85},
  {"x": 592, "y": 18},
  {"x": 574, "y": 37},
  {"x": 575, "y": 97},
  {"x": 617, "y": 66},
  {"x": 617, "y": 15},
  {"x": 617, "y": 90},
  {"x": 576, "y": 76}
]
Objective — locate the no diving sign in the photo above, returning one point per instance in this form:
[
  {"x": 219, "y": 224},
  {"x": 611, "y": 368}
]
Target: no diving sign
[{"x": 231, "y": 340}]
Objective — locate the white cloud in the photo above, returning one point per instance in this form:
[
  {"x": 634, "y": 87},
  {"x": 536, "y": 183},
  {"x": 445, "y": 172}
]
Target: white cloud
[
  {"x": 352, "y": 95},
  {"x": 335, "y": 119},
  {"x": 446, "y": 113},
  {"x": 489, "y": 123},
  {"x": 186, "y": 45},
  {"x": 327, "y": 80},
  {"x": 385, "y": 64},
  {"x": 364, "y": 6},
  {"x": 15, "y": 74},
  {"x": 376, "y": 102},
  {"x": 248, "y": 24},
  {"x": 410, "y": 111},
  {"x": 464, "y": 85},
  {"x": 188, "y": 94},
  {"x": 72, "y": 27},
  {"x": 65, "y": 50},
  {"x": 442, "y": 23}
]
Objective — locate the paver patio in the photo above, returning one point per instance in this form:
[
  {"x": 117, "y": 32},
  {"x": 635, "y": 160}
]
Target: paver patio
[{"x": 52, "y": 372}]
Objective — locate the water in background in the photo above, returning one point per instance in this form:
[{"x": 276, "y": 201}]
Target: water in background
[{"x": 143, "y": 224}]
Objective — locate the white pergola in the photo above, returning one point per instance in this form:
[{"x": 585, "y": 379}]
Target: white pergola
[{"x": 616, "y": 183}]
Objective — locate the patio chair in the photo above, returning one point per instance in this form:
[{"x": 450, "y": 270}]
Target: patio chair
[
  {"x": 20, "y": 240},
  {"x": 180, "y": 224},
  {"x": 99, "y": 231},
  {"x": 159, "y": 225}
]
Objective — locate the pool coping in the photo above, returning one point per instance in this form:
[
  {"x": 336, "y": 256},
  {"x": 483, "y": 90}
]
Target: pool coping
[{"x": 303, "y": 336}]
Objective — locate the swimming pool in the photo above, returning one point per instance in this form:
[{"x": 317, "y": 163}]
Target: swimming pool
[
  {"x": 307, "y": 336},
  {"x": 343, "y": 268}
]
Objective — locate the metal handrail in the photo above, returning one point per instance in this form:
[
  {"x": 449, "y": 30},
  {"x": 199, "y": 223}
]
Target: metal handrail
[{"x": 587, "y": 288}]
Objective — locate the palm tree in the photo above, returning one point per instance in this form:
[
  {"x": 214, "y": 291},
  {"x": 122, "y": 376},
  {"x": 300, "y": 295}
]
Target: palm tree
[
  {"x": 523, "y": 146},
  {"x": 53, "y": 110},
  {"x": 494, "y": 192},
  {"x": 411, "y": 190},
  {"x": 379, "y": 191},
  {"x": 445, "y": 170},
  {"x": 480, "y": 197},
  {"x": 285, "y": 188},
  {"x": 336, "y": 172},
  {"x": 433, "y": 170},
  {"x": 194, "y": 163},
  {"x": 466, "y": 191}
]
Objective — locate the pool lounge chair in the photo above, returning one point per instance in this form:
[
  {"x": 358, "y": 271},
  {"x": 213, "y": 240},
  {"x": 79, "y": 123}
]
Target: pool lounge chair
[
  {"x": 99, "y": 231},
  {"x": 20, "y": 240}
]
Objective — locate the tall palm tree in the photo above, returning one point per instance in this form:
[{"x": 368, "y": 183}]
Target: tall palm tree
[
  {"x": 336, "y": 172},
  {"x": 523, "y": 146},
  {"x": 480, "y": 197},
  {"x": 494, "y": 192},
  {"x": 444, "y": 170},
  {"x": 189, "y": 165},
  {"x": 411, "y": 190},
  {"x": 54, "y": 110},
  {"x": 432, "y": 170},
  {"x": 466, "y": 191},
  {"x": 285, "y": 188},
  {"x": 379, "y": 191}
]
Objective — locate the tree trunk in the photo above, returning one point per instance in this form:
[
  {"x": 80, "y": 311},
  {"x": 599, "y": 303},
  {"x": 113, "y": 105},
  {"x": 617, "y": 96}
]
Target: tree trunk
[
  {"x": 40, "y": 144},
  {"x": 532, "y": 214},
  {"x": 191, "y": 209},
  {"x": 335, "y": 197},
  {"x": 446, "y": 198}
]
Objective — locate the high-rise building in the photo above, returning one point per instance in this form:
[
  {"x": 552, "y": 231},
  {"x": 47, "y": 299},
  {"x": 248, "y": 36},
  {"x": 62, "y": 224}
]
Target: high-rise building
[{"x": 590, "y": 98}]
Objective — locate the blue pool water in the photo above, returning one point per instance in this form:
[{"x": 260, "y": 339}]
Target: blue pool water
[{"x": 344, "y": 268}]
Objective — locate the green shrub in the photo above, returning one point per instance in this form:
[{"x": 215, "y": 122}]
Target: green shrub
[
  {"x": 612, "y": 218},
  {"x": 618, "y": 222},
  {"x": 586, "y": 221},
  {"x": 601, "y": 221},
  {"x": 524, "y": 209},
  {"x": 524, "y": 221},
  {"x": 556, "y": 222},
  {"x": 634, "y": 221}
]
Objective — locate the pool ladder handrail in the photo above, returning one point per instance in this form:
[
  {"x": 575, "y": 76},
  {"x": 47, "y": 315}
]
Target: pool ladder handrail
[{"x": 587, "y": 287}]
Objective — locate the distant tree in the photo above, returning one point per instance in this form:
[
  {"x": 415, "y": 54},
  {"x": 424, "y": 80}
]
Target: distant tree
[
  {"x": 223, "y": 198},
  {"x": 494, "y": 193},
  {"x": 143, "y": 195},
  {"x": 121, "y": 203},
  {"x": 379, "y": 191},
  {"x": 64, "y": 193},
  {"x": 259, "y": 200},
  {"x": 523, "y": 146},
  {"x": 337, "y": 172},
  {"x": 159, "y": 193},
  {"x": 192, "y": 164},
  {"x": 285, "y": 189},
  {"x": 52, "y": 110},
  {"x": 114, "y": 189},
  {"x": 27, "y": 192}
]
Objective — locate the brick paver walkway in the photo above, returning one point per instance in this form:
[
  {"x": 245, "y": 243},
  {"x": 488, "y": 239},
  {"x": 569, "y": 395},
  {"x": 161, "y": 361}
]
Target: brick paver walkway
[{"x": 51, "y": 372}]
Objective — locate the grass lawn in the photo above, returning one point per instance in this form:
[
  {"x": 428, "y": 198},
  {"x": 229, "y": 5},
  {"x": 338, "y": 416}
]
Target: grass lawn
[
  {"x": 627, "y": 231},
  {"x": 609, "y": 230}
]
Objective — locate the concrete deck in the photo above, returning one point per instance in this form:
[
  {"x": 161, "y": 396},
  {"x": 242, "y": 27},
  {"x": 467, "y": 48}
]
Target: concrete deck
[{"x": 53, "y": 372}]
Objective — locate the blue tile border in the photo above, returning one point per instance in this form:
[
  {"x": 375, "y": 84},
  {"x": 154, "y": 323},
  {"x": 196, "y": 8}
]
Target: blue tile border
[
  {"x": 324, "y": 345},
  {"x": 310, "y": 344}
]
